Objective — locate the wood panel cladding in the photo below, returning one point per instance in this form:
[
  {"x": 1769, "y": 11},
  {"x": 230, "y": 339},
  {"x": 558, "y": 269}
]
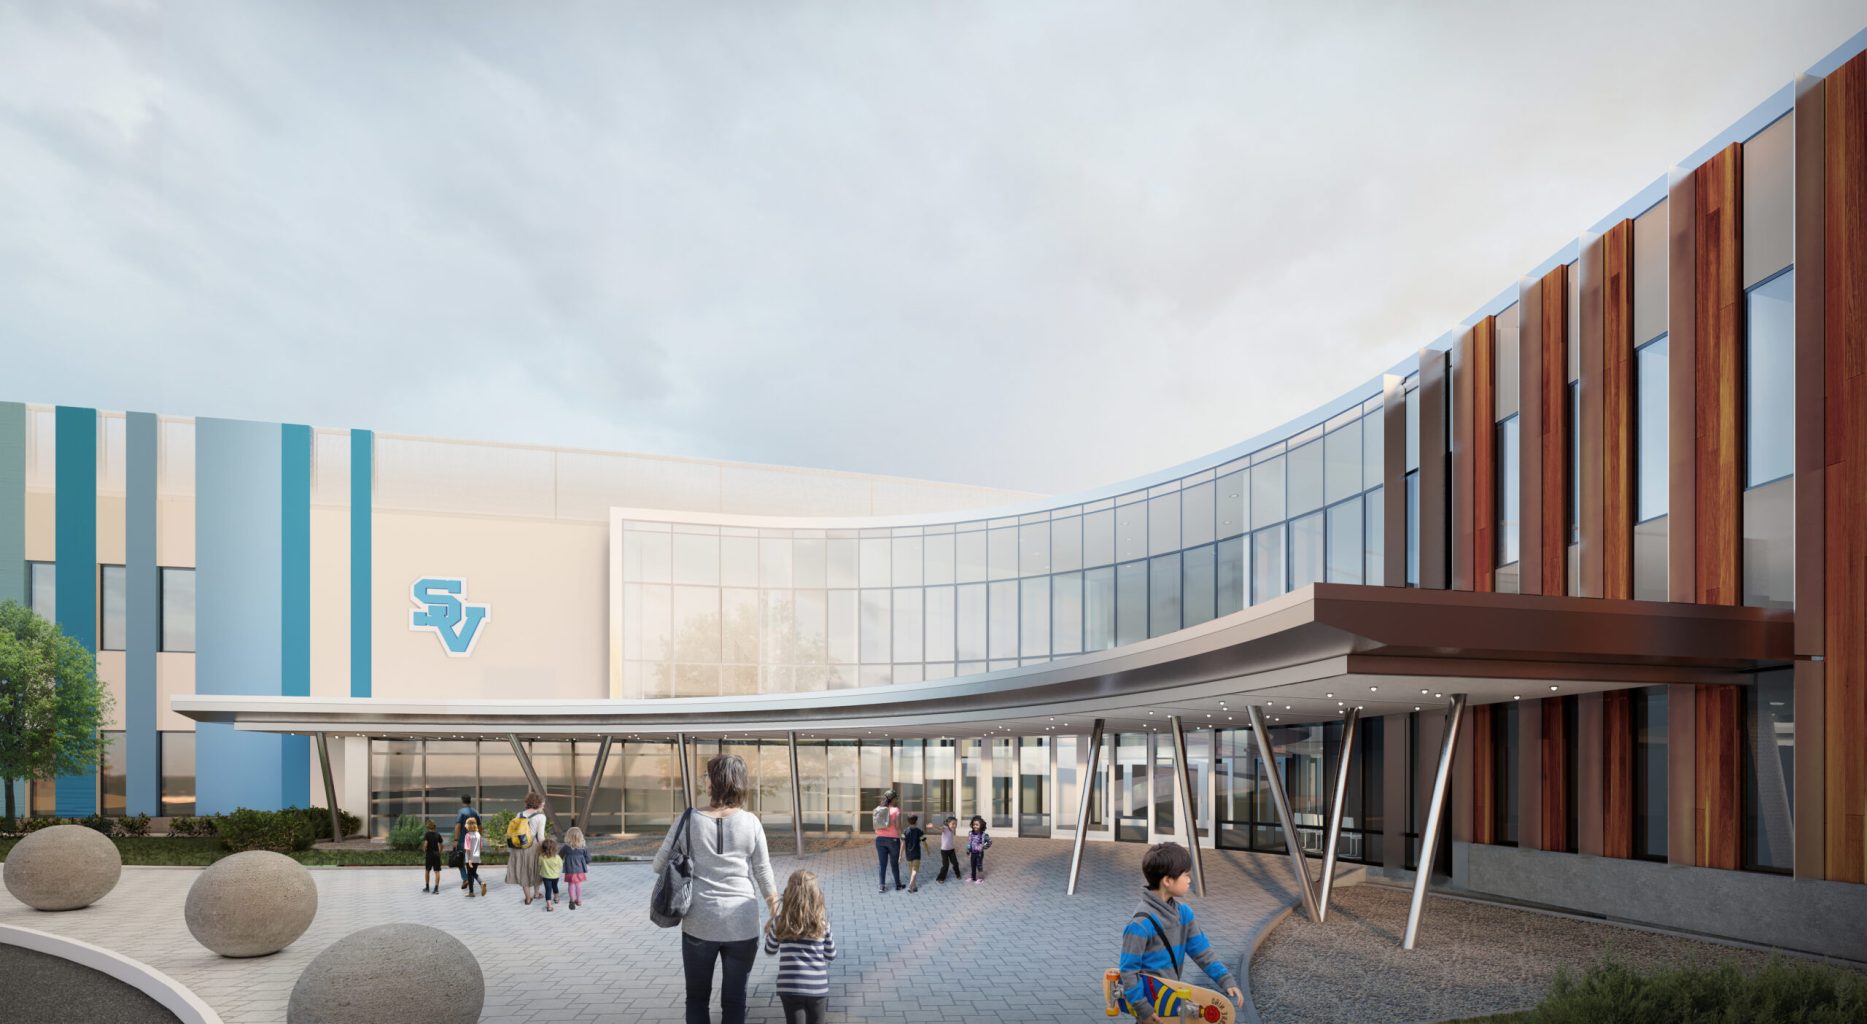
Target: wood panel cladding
[
  {"x": 1719, "y": 828},
  {"x": 1718, "y": 300},
  {"x": 1433, "y": 513},
  {"x": 1588, "y": 431},
  {"x": 1681, "y": 391},
  {"x": 1553, "y": 429},
  {"x": 1617, "y": 411},
  {"x": 1530, "y": 437},
  {"x": 1555, "y": 776},
  {"x": 1484, "y": 773},
  {"x": 1617, "y": 774},
  {"x": 1844, "y": 275},
  {"x": 1483, "y": 494}
]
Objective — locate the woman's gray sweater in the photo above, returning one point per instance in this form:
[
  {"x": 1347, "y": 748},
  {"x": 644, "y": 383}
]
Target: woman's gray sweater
[{"x": 732, "y": 873}]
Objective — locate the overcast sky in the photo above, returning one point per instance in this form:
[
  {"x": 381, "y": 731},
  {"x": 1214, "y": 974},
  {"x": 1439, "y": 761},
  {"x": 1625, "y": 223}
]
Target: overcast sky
[{"x": 1035, "y": 245}]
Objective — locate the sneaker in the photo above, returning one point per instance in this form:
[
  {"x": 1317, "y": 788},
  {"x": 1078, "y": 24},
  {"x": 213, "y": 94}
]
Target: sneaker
[
  {"x": 549, "y": 906},
  {"x": 464, "y": 883},
  {"x": 883, "y": 890},
  {"x": 899, "y": 886},
  {"x": 470, "y": 894},
  {"x": 482, "y": 888}
]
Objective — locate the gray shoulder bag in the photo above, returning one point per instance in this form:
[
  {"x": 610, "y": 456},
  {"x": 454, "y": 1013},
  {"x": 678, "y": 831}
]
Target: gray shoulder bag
[{"x": 674, "y": 890}]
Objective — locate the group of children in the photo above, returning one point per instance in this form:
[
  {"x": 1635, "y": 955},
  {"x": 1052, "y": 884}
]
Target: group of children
[
  {"x": 977, "y": 840},
  {"x": 568, "y": 863}
]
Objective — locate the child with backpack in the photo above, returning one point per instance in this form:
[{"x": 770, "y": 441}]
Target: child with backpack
[
  {"x": 949, "y": 857},
  {"x": 977, "y": 842},
  {"x": 550, "y": 869},
  {"x": 576, "y": 866},
  {"x": 431, "y": 866},
  {"x": 912, "y": 840},
  {"x": 1162, "y": 934},
  {"x": 799, "y": 936},
  {"x": 472, "y": 843}
]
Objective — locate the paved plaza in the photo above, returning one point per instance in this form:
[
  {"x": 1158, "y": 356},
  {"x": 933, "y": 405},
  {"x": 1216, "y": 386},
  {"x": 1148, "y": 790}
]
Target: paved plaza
[{"x": 1015, "y": 948}]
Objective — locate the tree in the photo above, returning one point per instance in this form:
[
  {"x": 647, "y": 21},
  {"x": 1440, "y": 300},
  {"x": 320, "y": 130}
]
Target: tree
[{"x": 51, "y": 704}]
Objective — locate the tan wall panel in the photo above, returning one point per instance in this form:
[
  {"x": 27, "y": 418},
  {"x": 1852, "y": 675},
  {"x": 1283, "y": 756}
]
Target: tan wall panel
[
  {"x": 1617, "y": 411},
  {"x": 174, "y": 678},
  {"x": 111, "y": 540},
  {"x": 41, "y": 526},
  {"x": 175, "y": 531},
  {"x": 330, "y": 605},
  {"x": 112, "y": 673}
]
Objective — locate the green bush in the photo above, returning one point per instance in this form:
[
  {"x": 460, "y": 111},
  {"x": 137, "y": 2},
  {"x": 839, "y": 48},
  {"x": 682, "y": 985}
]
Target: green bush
[
  {"x": 278, "y": 831},
  {"x": 189, "y": 825},
  {"x": 29, "y": 825},
  {"x": 1613, "y": 993},
  {"x": 136, "y": 825},
  {"x": 99, "y": 823},
  {"x": 407, "y": 832},
  {"x": 320, "y": 819},
  {"x": 493, "y": 827}
]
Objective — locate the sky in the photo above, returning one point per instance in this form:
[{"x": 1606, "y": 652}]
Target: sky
[{"x": 1041, "y": 246}]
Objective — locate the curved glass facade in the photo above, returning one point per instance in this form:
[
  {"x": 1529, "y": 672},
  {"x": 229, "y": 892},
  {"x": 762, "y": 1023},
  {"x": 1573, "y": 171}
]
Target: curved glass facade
[{"x": 708, "y": 609}]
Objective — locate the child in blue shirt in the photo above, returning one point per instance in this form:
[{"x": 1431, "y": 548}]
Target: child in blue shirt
[{"x": 1162, "y": 935}]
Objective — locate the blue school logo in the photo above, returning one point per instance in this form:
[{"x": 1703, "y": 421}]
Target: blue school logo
[{"x": 440, "y": 605}]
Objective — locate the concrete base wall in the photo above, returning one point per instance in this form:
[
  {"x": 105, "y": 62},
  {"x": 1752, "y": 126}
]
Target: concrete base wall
[{"x": 1827, "y": 918}]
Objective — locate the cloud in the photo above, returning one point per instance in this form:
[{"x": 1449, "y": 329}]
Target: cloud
[{"x": 1041, "y": 246}]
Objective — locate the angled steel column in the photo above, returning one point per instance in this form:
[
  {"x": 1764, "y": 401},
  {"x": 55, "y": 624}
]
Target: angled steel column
[
  {"x": 1429, "y": 841},
  {"x": 1082, "y": 807},
  {"x": 531, "y": 774},
  {"x": 1188, "y": 808},
  {"x": 687, "y": 783},
  {"x": 797, "y": 800},
  {"x": 596, "y": 779},
  {"x": 1282, "y": 800},
  {"x": 330, "y": 788},
  {"x": 1342, "y": 765}
]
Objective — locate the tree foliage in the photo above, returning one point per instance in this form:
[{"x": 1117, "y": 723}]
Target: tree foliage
[{"x": 51, "y": 704}]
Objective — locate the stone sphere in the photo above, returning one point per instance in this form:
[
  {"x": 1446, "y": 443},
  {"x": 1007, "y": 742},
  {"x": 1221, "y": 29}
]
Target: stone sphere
[
  {"x": 62, "y": 868},
  {"x": 390, "y": 972},
  {"x": 251, "y": 904}
]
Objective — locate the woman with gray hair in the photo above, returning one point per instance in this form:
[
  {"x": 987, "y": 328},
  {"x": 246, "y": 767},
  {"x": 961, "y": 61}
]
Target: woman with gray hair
[{"x": 731, "y": 870}]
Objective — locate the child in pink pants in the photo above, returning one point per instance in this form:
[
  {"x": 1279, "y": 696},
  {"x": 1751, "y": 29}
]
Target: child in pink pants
[{"x": 576, "y": 866}]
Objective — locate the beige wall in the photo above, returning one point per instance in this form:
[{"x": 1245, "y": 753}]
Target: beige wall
[
  {"x": 547, "y": 583},
  {"x": 330, "y": 602}
]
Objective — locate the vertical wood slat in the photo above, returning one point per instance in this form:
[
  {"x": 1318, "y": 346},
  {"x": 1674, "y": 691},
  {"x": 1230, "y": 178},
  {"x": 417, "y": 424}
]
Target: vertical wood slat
[
  {"x": 1530, "y": 440},
  {"x": 1720, "y": 779},
  {"x": 1554, "y": 429},
  {"x": 1434, "y": 379},
  {"x": 1555, "y": 776},
  {"x": 1681, "y": 774},
  {"x": 1484, "y": 774},
  {"x": 1394, "y": 482},
  {"x": 1617, "y": 411},
  {"x": 1844, "y": 270},
  {"x": 1590, "y": 760},
  {"x": 1681, "y": 389},
  {"x": 1529, "y": 763},
  {"x": 1484, "y": 455},
  {"x": 1811, "y": 531},
  {"x": 1462, "y": 506},
  {"x": 1588, "y": 464},
  {"x": 1719, "y": 298},
  {"x": 1617, "y": 772}
]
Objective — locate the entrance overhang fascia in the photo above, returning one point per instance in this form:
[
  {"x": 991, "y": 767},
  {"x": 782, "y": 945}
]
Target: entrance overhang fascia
[{"x": 1287, "y": 653}]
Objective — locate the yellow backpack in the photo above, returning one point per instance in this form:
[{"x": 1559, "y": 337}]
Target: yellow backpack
[{"x": 519, "y": 833}]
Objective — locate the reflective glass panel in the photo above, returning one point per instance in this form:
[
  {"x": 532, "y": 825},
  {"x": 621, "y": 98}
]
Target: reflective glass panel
[
  {"x": 1267, "y": 492},
  {"x": 972, "y": 619},
  {"x": 1131, "y": 531},
  {"x": 1034, "y": 617},
  {"x": 1231, "y": 504},
  {"x": 1099, "y": 609},
  {"x": 1770, "y": 380},
  {"x": 1163, "y": 614},
  {"x": 1099, "y": 537},
  {"x": 1196, "y": 592},
  {"x": 115, "y": 627},
  {"x": 1267, "y": 564},
  {"x": 1650, "y": 430},
  {"x": 1066, "y": 612},
  {"x": 1196, "y": 510},
  {"x": 1004, "y": 615},
  {"x": 177, "y": 609},
  {"x": 1130, "y": 602},
  {"x": 1163, "y": 524},
  {"x": 1345, "y": 537},
  {"x": 1066, "y": 544},
  {"x": 1306, "y": 550},
  {"x": 1230, "y": 577},
  {"x": 1306, "y": 478},
  {"x": 1342, "y": 463}
]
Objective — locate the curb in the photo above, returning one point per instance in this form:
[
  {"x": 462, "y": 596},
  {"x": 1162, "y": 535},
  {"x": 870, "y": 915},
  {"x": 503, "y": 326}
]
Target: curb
[
  {"x": 1248, "y": 1011},
  {"x": 166, "y": 991}
]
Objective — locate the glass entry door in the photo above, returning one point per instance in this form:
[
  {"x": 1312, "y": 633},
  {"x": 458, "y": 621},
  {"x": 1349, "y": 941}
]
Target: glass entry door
[{"x": 1034, "y": 786}]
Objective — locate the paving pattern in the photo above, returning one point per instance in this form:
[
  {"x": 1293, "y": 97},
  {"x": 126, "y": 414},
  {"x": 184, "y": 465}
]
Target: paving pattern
[
  {"x": 28, "y": 976},
  {"x": 1471, "y": 959},
  {"x": 1013, "y": 949}
]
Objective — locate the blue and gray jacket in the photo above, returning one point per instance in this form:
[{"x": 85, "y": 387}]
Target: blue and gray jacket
[{"x": 1142, "y": 951}]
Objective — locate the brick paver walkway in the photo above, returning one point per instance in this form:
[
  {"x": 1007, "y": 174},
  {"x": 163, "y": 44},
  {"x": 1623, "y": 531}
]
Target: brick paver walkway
[{"x": 1013, "y": 949}]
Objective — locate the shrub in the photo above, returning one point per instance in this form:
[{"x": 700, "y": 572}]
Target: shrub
[
  {"x": 407, "y": 832},
  {"x": 320, "y": 819},
  {"x": 137, "y": 825},
  {"x": 35, "y": 824},
  {"x": 278, "y": 831},
  {"x": 99, "y": 823},
  {"x": 189, "y": 825},
  {"x": 493, "y": 827},
  {"x": 1781, "y": 991}
]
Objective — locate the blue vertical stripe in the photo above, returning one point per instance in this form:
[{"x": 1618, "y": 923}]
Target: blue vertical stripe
[
  {"x": 13, "y": 522},
  {"x": 238, "y": 552},
  {"x": 76, "y": 504},
  {"x": 362, "y": 475},
  {"x": 142, "y": 608},
  {"x": 295, "y": 599}
]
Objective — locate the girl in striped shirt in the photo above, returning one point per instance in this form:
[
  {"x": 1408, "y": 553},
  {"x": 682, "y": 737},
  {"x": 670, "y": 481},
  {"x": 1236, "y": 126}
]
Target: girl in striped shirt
[{"x": 800, "y": 938}]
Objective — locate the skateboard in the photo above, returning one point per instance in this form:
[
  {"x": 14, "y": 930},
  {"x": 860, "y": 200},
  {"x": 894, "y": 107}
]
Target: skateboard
[{"x": 1173, "y": 1000}]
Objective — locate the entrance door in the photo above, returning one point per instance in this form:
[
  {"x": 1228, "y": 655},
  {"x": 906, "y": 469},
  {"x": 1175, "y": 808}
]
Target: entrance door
[{"x": 1034, "y": 786}]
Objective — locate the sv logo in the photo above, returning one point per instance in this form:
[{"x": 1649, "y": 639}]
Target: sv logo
[{"x": 440, "y": 605}]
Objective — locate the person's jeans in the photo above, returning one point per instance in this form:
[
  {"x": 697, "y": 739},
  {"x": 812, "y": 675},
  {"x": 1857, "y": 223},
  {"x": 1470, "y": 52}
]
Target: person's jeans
[
  {"x": 949, "y": 859},
  {"x": 803, "y": 1009},
  {"x": 697, "y": 957},
  {"x": 978, "y": 861},
  {"x": 888, "y": 850},
  {"x": 551, "y": 888}
]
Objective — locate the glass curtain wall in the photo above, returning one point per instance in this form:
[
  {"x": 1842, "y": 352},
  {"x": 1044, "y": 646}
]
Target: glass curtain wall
[{"x": 1306, "y": 761}]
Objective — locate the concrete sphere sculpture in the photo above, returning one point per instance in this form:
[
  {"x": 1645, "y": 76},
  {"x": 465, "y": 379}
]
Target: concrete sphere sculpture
[
  {"x": 380, "y": 973},
  {"x": 64, "y": 867},
  {"x": 251, "y": 904}
]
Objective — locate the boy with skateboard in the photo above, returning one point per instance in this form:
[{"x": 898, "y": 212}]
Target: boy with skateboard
[{"x": 1159, "y": 939}]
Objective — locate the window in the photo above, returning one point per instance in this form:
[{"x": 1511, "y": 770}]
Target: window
[
  {"x": 1267, "y": 564},
  {"x": 1196, "y": 595},
  {"x": 42, "y": 582},
  {"x": 1413, "y": 528},
  {"x": 1163, "y": 524},
  {"x": 1099, "y": 609},
  {"x": 1306, "y": 478},
  {"x": 112, "y": 789},
  {"x": 1506, "y": 738},
  {"x": 1306, "y": 550},
  {"x": 1374, "y": 548},
  {"x": 1034, "y": 618},
  {"x": 1004, "y": 619},
  {"x": 1344, "y": 563},
  {"x": 1373, "y": 456},
  {"x": 1267, "y": 492},
  {"x": 177, "y": 790},
  {"x": 1130, "y": 603},
  {"x": 1650, "y": 430},
  {"x": 1650, "y": 773},
  {"x": 1231, "y": 577},
  {"x": 1342, "y": 462},
  {"x": 1196, "y": 510},
  {"x": 1770, "y": 772},
  {"x": 115, "y": 629},
  {"x": 1770, "y": 381},
  {"x": 1066, "y": 612},
  {"x": 1508, "y": 492},
  {"x": 1231, "y": 504},
  {"x": 178, "y": 610},
  {"x": 1574, "y": 510},
  {"x": 1163, "y": 614}
]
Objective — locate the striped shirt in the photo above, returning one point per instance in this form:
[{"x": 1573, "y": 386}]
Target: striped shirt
[{"x": 803, "y": 964}]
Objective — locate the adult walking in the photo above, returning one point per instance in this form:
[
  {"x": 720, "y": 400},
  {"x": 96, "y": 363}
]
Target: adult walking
[
  {"x": 887, "y": 821},
  {"x": 460, "y": 830},
  {"x": 522, "y": 862},
  {"x": 725, "y": 845}
]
